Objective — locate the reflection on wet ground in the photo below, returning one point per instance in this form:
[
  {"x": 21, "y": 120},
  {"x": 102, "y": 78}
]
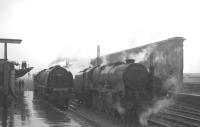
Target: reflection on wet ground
[{"x": 26, "y": 112}]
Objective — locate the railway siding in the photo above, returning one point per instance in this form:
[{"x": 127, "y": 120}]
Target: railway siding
[{"x": 185, "y": 112}]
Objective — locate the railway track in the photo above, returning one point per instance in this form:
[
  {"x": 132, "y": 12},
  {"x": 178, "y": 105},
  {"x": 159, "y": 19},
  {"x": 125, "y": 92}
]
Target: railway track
[
  {"x": 98, "y": 118},
  {"x": 177, "y": 115},
  {"x": 80, "y": 117},
  {"x": 75, "y": 115},
  {"x": 173, "y": 116}
]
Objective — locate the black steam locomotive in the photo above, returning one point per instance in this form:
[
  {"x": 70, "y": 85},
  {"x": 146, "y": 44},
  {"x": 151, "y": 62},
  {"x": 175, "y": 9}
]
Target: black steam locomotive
[
  {"x": 55, "y": 85},
  {"x": 121, "y": 89}
]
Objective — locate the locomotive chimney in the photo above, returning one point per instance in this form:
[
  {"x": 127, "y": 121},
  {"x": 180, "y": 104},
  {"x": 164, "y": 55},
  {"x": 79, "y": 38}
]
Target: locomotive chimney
[
  {"x": 130, "y": 61},
  {"x": 98, "y": 55}
]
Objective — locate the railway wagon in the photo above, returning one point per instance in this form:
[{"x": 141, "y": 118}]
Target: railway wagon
[{"x": 55, "y": 85}]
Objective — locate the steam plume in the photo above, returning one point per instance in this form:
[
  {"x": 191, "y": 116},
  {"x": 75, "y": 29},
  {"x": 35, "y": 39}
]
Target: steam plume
[
  {"x": 58, "y": 60},
  {"x": 158, "y": 105},
  {"x": 123, "y": 56},
  {"x": 170, "y": 83},
  {"x": 117, "y": 105},
  {"x": 76, "y": 64},
  {"x": 160, "y": 58},
  {"x": 143, "y": 55},
  {"x": 104, "y": 60}
]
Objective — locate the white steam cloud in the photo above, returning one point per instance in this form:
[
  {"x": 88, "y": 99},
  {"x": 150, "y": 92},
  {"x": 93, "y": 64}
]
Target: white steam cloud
[
  {"x": 123, "y": 56},
  {"x": 143, "y": 55},
  {"x": 170, "y": 83},
  {"x": 117, "y": 105},
  {"x": 158, "y": 106},
  {"x": 104, "y": 61},
  {"x": 160, "y": 58},
  {"x": 58, "y": 60},
  {"x": 75, "y": 64}
]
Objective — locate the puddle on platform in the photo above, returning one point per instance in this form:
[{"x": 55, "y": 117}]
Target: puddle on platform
[{"x": 27, "y": 112}]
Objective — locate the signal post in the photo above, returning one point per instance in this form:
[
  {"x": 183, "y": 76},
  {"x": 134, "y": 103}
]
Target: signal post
[{"x": 6, "y": 75}]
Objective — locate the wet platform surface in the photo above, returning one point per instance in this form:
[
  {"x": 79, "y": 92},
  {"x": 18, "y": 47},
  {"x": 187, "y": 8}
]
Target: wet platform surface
[{"x": 26, "y": 112}]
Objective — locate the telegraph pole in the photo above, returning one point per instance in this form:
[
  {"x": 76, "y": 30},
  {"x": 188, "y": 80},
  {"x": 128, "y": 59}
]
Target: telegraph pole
[
  {"x": 5, "y": 51},
  {"x": 6, "y": 74}
]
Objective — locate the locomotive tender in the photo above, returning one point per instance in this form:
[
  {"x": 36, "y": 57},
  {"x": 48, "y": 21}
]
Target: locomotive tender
[
  {"x": 54, "y": 84},
  {"x": 121, "y": 89}
]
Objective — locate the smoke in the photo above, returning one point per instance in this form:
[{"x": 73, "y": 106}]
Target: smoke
[
  {"x": 170, "y": 83},
  {"x": 117, "y": 105},
  {"x": 158, "y": 106},
  {"x": 104, "y": 61},
  {"x": 141, "y": 56},
  {"x": 76, "y": 64},
  {"x": 106, "y": 69},
  {"x": 112, "y": 70},
  {"x": 160, "y": 58},
  {"x": 58, "y": 60},
  {"x": 123, "y": 56}
]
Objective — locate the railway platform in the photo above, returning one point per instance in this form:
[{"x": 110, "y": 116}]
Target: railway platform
[{"x": 26, "y": 112}]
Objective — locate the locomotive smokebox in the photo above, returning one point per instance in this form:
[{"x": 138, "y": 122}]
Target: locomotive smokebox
[{"x": 135, "y": 76}]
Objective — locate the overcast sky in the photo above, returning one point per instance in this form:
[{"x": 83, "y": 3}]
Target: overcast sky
[{"x": 72, "y": 28}]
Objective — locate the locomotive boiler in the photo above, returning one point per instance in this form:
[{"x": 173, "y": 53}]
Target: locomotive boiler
[
  {"x": 121, "y": 89},
  {"x": 55, "y": 85}
]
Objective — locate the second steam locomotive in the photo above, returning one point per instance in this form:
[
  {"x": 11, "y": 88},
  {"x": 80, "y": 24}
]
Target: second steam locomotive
[
  {"x": 121, "y": 89},
  {"x": 54, "y": 84}
]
